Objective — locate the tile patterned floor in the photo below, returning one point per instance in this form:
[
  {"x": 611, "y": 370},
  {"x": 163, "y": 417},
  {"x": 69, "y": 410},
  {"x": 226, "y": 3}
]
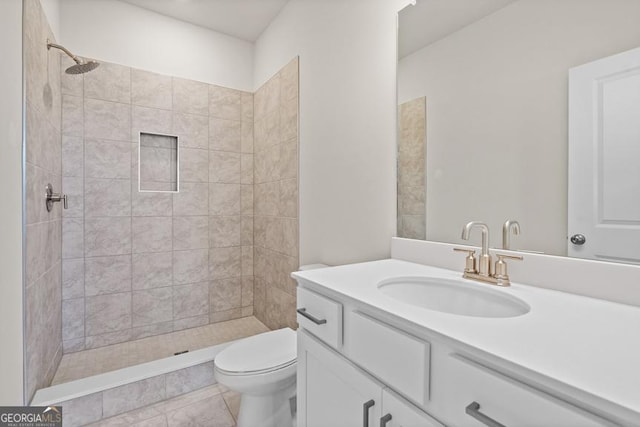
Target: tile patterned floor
[
  {"x": 213, "y": 406},
  {"x": 86, "y": 363}
]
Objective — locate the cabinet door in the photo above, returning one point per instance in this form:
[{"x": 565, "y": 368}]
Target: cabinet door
[
  {"x": 331, "y": 391},
  {"x": 403, "y": 413}
]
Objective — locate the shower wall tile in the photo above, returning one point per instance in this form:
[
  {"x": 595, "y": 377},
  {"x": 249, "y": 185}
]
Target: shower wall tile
[
  {"x": 289, "y": 81},
  {"x": 151, "y": 90},
  {"x": 109, "y": 82},
  {"x": 151, "y": 234},
  {"x": 107, "y": 159},
  {"x": 72, "y": 238},
  {"x": 73, "y": 319},
  {"x": 246, "y": 139},
  {"x": 152, "y": 306},
  {"x": 224, "y": 167},
  {"x": 108, "y": 313},
  {"x": 247, "y": 291},
  {"x": 246, "y": 231},
  {"x": 72, "y": 156},
  {"x": 224, "y": 231},
  {"x": 225, "y": 294},
  {"x": 107, "y": 120},
  {"x": 150, "y": 120},
  {"x": 74, "y": 190},
  {"x": 152, "y": 270},
  {"x": 224, "y": 199},
  {"x": 142, "y": 262},
  {"x": 107, "y": 198},
  {"x": 191, "y": 300},
  {"x": 194, "y": 165},
  {"x": 72, "y": 278},
  {"x": 107, "y": 275},
  {"x": 190, "y": 266},
  {"x": 224, "y": 135},
  {"x": 246, "y": 168},
  {"x": 275, "y": 198},
  {"x": 225, "y": 263},
  {"x": 192, "y": 322},
  {"x": 72, "y": 115},
  {"x": 107, "y": 236},
  {"x": 192, "y": 129},
  {"x": 191, "y": 200},
  {"x": 190, "y": 97},
  {"x": 150, "y": 204},
  {"x": 101, "y": 340},
  {"x": 225, "y": 103},
  {"x": 190, "y": 232},
  {"x": 144, "y": 331},
  {"x": 246, "y": 200}
]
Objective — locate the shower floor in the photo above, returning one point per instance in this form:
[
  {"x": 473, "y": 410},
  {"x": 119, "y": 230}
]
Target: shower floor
[{"x": 82, "y": 364}]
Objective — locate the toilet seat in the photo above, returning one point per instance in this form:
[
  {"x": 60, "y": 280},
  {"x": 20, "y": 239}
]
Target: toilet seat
[{"x": 259, "y": 354}]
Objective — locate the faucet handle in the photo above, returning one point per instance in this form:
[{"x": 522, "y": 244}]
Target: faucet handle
[
  {"x": 501, "y": 268},
  {"x": 470, "y": 260}
]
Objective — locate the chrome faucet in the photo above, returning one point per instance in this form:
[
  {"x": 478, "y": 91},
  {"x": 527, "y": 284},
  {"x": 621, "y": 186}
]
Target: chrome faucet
[
  {"x": 485, "y": 271},
  {"x": 484, "y": 264},
  {"x": 508, "y": 227}
]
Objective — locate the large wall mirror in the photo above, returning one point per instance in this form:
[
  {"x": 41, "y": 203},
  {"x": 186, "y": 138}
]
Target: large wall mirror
[{"x": 525, "y": 110}]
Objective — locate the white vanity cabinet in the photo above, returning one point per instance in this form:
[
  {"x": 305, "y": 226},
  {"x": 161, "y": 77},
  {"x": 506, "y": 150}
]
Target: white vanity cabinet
[
  {"x": 332, "y": 392},
  {"x": 357, "y": 369}
]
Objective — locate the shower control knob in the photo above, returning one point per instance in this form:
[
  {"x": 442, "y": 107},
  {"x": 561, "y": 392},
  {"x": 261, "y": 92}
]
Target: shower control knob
[{"x": 578, "y": 239}]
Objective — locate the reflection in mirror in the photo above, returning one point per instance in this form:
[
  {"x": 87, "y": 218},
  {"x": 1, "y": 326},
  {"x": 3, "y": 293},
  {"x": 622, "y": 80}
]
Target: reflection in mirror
[{"x": 494, "y": 75}]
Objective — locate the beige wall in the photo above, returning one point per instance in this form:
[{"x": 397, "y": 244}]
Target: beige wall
[
  {"x": 138, "y": 264},
  {"x": 44, "y": 229},
  {"x": 497, "y": 107},
  {"x": 11, "y": 262},
  {"x": 276, "y": 198}
]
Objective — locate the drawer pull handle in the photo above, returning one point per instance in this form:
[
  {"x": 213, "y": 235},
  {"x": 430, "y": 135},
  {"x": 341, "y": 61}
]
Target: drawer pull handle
[
  {"x": 473, "y": 410},
  {"x": 384, "y": 420},
  {"x": 365, "y": 412},
  {"x": 303, "y": 312}
]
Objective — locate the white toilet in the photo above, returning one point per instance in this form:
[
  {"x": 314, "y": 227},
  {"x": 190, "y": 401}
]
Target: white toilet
[{"x": 262, "y": 368}]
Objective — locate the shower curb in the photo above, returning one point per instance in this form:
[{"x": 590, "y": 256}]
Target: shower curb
[{"x": 102, "y": 396}]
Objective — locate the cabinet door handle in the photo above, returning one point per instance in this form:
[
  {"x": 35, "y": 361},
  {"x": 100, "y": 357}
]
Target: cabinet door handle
[
  {"x": 303, "y": 312},
  {"x": 473, "y": 410},
  {"x": 365, "y": 412},
  {"x": 384, "y": 420}
]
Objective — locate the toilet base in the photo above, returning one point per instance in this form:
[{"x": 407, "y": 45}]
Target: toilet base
[{"x": 268, "y": 410}]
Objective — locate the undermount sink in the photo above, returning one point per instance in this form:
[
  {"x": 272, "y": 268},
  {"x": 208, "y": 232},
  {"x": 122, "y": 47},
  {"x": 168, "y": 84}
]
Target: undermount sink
[{"x": 453, "y": 296}]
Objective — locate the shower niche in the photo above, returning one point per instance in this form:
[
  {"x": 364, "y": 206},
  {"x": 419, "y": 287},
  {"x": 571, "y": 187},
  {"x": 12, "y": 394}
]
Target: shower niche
[{"x": 158, "y": 163}]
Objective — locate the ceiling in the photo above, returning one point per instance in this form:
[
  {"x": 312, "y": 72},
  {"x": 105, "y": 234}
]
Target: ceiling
[
  {"x": 431, "y": 20},
  {"x": 244, "y": 19}
]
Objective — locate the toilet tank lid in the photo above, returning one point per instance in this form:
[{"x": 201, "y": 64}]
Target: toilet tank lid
[{"x": 261, "y": 352}]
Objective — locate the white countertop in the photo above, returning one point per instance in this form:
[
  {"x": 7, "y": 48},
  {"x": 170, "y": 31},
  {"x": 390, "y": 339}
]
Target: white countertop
[{"x": 585, "y": 343}]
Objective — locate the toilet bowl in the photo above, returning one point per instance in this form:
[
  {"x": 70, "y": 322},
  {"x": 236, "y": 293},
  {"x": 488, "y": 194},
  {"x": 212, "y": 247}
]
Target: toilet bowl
[{"x": 262, "y": 368}]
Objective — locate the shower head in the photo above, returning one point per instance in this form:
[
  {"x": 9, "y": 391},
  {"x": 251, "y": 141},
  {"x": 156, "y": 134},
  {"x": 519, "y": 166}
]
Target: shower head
[{"x": 81, "y": 66}]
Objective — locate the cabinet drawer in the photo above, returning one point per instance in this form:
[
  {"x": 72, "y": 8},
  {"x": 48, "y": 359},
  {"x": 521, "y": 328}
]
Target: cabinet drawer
[
  {"x": 500, "y": 398},
  {"x": 403, "y": 413},
  {"x": 321, "y": 316},
  {"x": 395, "y": 357}
]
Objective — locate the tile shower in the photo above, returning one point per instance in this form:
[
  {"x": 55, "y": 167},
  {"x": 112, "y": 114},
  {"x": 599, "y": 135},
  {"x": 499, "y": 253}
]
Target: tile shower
[
  {"x": 137, "y": 264},
  {"x": 132, "y": 264}
]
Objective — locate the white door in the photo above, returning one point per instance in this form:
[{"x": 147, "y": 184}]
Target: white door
[
  {"x": 604, "y": 159},
  {"x": 331, "y": 391}
]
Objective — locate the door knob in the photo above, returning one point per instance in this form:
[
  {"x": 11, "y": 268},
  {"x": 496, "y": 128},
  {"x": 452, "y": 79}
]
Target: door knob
[{"x": 578, "y": 239}]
